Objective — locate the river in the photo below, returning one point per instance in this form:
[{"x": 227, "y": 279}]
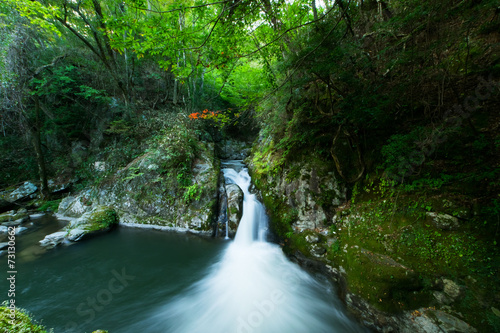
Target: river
[{"x": 135, "y": 280}]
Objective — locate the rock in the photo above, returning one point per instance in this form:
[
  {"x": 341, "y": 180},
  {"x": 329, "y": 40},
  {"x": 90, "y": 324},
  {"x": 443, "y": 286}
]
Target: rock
[
  {"x": 145, "y": 193},
  {"x": 14, "y": 218},
  {"x": 317, "y": 250},
  {"x": 99, "y": 220},
  {"x": 312, "y": 238},
  {"x": 58, "y": 186},
  {"x": 429, "y": 320},
  {"x": 452, "y": 289},
  {"x": 76, "y": 206},
  {"x": 222, "y": 208},
  {"x": 234, "y": 150},
  {"x": 443, "y": 221},
  {"x": 54, "y": 239},
  {"x": 442, "y": 298},
  {"x": 75, "y": 235},
  {"x": 4, "y": 229},
  {"x": 20, "y": 229},
  {"x": 4, "y": 245},
  {"x": 234, "y": 205},
  {"x": 21, "y": 193}
]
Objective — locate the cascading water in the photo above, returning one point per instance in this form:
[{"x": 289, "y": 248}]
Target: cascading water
[{"x": 253, "y": 288}]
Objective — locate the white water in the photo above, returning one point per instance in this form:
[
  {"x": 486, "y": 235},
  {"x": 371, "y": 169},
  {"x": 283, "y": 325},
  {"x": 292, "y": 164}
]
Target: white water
[{"x": 254, "y": 288}]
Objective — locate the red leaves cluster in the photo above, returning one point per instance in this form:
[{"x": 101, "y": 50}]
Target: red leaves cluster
[{"x": 205, "y": 114}]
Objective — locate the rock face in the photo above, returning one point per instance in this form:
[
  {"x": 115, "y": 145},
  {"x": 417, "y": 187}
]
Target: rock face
[
  {"x": 234, "y": 150},
  {"x": 144, "y": 193},
  {"x": 304, "y": 192},
  {"x": 100, "y": 219},
  {"x": 234, "y": 206},
  {"x": 353, "y": 244}
]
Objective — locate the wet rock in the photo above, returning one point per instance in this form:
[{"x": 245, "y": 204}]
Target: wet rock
[
  {"x": 100, "y": 219},
  {"x": 443, "y": 221},
  {"x": 53, "y": 240},
  {"x": 234, "y": 205},
  {"x": 222, "y": 208},
  {"x": 75, "y": 235},
  {"x": 4, "y": 229},
  {"x": 19, "y": 230},
  {"x": 4, "y": 245}
]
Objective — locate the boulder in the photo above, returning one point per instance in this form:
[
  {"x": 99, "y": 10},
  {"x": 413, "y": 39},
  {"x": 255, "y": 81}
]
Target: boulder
[
  {"x": 453, "y": 290},
  {"x": 23, "y": 192},
  {"x": 100, "y": 219},
  {"x": 53, "y": 239},
  {"x": 76, "y": 206},
  {"x": 443, "y": 221},
  {"x": 234, "y": 206},
  {"x": 430, "y": 320},
  {"x": 144, "y": 192}
]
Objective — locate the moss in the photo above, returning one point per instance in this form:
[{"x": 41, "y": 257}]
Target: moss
[
  {"x": 104, "y": 218},
  {"x": 22, "y": 322},
  {"x": 50, "y": 206}
]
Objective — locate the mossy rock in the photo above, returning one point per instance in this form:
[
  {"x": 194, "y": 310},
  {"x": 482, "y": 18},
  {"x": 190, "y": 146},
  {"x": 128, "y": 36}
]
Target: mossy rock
[
  {"x": 22, "y": 322},
  {"x": 381, "y": 280},
  {"x": 9, "y": 217},
  {"x": 102, "y": 218}
]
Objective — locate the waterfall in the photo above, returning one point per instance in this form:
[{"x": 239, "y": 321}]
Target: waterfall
[{"x": 253, "y": 288}]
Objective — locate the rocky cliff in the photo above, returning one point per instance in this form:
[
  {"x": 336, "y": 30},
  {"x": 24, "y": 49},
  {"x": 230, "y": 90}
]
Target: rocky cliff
[{"x": 400, "y": 266}]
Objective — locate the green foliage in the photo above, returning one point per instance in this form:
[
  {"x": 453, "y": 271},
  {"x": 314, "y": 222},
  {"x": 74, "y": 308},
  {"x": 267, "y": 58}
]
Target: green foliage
[
  {"x": 192, "y": 193},
  {"x": 23, "y": 323},
  {"x": 49, "y": 206}
]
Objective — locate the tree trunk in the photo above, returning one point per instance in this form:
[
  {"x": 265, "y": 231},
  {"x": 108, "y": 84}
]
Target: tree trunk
[
  {"x": 315, "y": 10},
  {"x": 37, "y": 145}
]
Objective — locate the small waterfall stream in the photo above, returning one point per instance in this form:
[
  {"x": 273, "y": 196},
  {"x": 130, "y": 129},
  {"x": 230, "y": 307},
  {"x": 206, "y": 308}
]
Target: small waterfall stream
[{"x": 253, "y": 288}]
